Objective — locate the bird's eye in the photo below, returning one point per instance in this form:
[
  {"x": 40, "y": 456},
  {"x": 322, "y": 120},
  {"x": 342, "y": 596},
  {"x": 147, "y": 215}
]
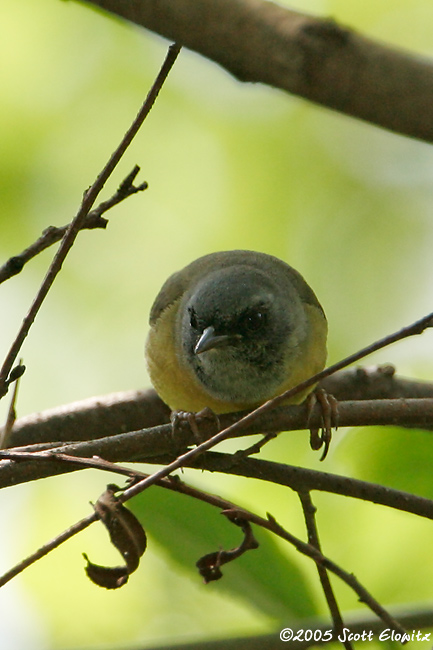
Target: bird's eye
[
  {"x": 254, "y": 321},
  {"x": 192, "y": 318}
]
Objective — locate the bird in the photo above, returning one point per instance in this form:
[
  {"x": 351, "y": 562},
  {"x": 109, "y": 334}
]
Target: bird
[{"x": 232, "y": 330}]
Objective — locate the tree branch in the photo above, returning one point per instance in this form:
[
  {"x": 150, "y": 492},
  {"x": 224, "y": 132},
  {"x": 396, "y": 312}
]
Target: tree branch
[
  {"x": 259, "y": 41},
  {"x": 300, "y": 479},
  {"x": 53, "y": 234},
  {"x": 92, "y": 418},
  {"x": 118, "y": 413},
  {"x": 420, "y": 410},
  {"x": 149, "y": 445},
  {"x": 309, "y": 511}
]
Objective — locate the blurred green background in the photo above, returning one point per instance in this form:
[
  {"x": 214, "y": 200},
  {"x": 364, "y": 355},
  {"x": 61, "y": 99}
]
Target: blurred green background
[{"x": 229, "y": 166}]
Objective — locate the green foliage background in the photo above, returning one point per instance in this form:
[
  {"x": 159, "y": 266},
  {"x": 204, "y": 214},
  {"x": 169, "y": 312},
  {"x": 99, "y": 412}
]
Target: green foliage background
[{"x": 229, "y": 166}]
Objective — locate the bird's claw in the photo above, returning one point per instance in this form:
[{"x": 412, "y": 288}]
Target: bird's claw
[
  {"x": 194, "y": 420},
  {"x": 321, "y": 437}
]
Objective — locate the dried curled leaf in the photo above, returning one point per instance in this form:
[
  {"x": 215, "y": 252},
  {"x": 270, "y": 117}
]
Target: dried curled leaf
[
  {"x": 126, "y": 534},
  {"x": 105, "y": 576},
  {"x": 209, "y": 565}
]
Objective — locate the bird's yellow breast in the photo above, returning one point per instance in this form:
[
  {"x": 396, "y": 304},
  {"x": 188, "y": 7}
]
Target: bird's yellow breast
[{"x": 173, "y": 380}]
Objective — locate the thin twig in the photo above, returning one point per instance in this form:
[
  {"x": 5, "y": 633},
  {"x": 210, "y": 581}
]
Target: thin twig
[
  {"x": 80, "y": 461},
  {"x": 415, "y": 328},
  {"x": 47, "y": 548},
  {"x": 313, "y": 539},
  {"x": 75, "y": 225},
  {"x": 53, "y": 234}
]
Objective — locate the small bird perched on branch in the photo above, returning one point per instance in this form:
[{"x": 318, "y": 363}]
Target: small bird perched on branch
[{"x": 232, "y": 330}]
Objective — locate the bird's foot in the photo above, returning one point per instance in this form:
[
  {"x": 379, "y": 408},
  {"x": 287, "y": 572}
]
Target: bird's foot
[
  {"x": 321, "y": 437},
  {"x": 203, "y": 424}
]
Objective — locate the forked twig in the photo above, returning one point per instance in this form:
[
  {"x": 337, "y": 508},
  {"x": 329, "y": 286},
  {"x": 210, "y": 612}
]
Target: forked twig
[{"x": 53, "y": 234}]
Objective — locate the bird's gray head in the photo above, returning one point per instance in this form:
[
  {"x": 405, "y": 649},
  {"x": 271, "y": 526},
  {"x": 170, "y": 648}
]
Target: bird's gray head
[{"x": 239, "y": 330}]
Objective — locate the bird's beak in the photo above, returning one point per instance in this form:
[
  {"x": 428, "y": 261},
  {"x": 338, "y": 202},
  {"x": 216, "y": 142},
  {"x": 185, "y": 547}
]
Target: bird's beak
[{"x": 209, "y": 340}]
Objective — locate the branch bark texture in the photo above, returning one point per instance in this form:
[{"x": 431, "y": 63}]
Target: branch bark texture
[
  {"x": 117, "y": 413},
  {"x": 314, "y": 58}
]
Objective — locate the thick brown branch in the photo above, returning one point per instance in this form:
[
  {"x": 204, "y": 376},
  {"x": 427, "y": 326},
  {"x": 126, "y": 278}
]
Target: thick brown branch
[
  {"x": 314, "y": 58},
  {"x": 132, "y": 410},
  {"x": 92, "y": 418}
]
